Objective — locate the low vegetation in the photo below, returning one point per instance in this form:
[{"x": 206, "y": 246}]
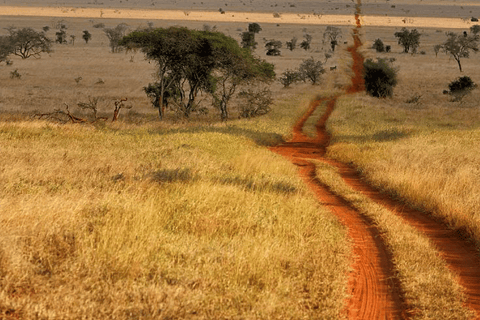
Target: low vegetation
[{"x": 163, "y": 221}]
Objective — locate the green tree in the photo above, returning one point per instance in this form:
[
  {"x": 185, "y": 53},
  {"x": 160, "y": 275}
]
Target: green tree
[
  {"x": 27, "y": 42},
  {"x": 254, "y": 27},
  {"x": 87, "y": 36},
  {"x": 191, "y": 61},
  {"x": 114, "y": 36},
  {"x": 378, "y": 45},
  {"x": 235, "y": 67},
  {"x": 459, "y": 46},
  {"x": 408, "y": 39}
]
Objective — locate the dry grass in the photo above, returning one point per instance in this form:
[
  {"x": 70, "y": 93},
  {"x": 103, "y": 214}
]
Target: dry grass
[
  {"x": 163, "y": 221},
  {"x": 423, "y": 152},
  {"x": 423, "y": 274}
]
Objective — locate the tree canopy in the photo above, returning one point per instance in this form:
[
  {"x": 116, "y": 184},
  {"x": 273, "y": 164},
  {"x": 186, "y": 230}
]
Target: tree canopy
[
  {"x": 192, "y": 61},
  {"x": 460, "y": 45},
  {"x": 26, "y": 42},
  {"x": 408, "y": 39}
]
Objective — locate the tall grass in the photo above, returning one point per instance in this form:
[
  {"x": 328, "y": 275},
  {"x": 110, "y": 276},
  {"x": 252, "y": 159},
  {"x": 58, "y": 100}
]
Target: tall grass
[{"x": 159, "y": 221}]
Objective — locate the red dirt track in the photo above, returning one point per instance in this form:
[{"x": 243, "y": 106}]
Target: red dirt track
[
  {"x": 373, "y": 292},
  {"x": 373, "y": 295}
]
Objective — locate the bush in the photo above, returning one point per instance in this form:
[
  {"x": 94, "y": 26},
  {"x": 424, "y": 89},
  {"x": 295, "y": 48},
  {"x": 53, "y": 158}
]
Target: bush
[
  {"x": 378, "y": 45},
  {"x": 256, "y": 102},
  {"x": 380, "y": 78},
  {"x": 460, "y": 87},
  {"x": 289, "y": 77},
  {"x": 311, "y": 70}
]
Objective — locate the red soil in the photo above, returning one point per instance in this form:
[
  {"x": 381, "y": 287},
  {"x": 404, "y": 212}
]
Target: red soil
[{"x": 373, "y": 293}]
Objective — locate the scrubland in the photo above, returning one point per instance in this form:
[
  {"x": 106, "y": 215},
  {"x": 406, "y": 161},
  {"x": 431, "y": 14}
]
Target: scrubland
[{"x": 192, "y": 218}]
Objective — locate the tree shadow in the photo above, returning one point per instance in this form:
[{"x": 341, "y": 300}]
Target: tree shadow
[
  {"x": 265, "y": 139},
  {"x": 379, "y": 136}
]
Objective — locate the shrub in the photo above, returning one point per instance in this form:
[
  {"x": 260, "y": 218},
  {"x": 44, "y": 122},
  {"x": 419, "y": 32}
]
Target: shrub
[
  {"x": 289, "y": 77},
  {"x": 273, "y": 47},
  {"x": 460, "y": 87},
  {"x": 292, "y": 44},
  {"x": 100, "y": 25},
  {"x": 378, "y": 45},
  {"x": 255, "y": 102},
  {"x": 388, "y": 48},
  {"x": 15, "y": 74},
  {"x": 380, "y": 78},
  {"x": 311, "y": 70}
]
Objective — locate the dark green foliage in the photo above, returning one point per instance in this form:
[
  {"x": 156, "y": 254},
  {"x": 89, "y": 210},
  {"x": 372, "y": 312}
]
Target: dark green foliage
[
  {"x": 408, "y": 39},
  {"x": 460, "y": 87},
  {"x": 273, "y": 47},
  {"x": 462, "y": 83},
  {"x": 190, "y": 62},
  {"x": 380, "y": 78},
  {"x": 254, "y": 27},
  {"x": 27, "y": 42},
  {"x": 86, "y": 36},
  {"x": 378, "y": 45},
  {"x": 388, "y": 48}
]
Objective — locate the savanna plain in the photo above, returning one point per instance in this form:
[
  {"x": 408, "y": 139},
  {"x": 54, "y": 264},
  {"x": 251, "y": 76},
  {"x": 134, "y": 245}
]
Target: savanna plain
[{"x": 195, "y": 218}]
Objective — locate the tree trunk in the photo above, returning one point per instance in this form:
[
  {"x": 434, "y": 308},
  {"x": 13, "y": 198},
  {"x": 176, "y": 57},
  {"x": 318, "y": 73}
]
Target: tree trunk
[
  {"x": 223, "y": 110},
  {"x": 459, "y": 65}
]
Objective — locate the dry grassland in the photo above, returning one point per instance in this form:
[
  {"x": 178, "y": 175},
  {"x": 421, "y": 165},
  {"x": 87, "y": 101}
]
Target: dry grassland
[
  {"x": 196, "y": 219},
  {"x": 424, "y": 152}
]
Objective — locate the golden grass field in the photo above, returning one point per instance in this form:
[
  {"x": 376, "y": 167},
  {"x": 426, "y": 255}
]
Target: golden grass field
[{"x": 196, "y": 219}]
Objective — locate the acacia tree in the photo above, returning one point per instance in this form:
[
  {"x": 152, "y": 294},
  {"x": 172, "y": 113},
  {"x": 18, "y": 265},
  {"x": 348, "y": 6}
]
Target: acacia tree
[
  {"x": 114, "y": 36},
  {"x": 273, "y": 47},
  {"x": 332, "y": 34},
  {"x": 27, "y": 42},
  {"x": 305, "y": 44},
  {"x": 236, "y": 67},
  {"x": 190, "y": 62},
  {"x": 408, "y": 39},
  {"x": 86, "y": 36},
  {"x": 5, "y": 48},
  {"x": 311, "y": 70},
  {"x": 459, "y": 45}
]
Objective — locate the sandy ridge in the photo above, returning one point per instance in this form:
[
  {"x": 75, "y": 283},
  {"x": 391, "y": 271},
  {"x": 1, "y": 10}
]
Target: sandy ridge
[{"x": 285, "y": 18}]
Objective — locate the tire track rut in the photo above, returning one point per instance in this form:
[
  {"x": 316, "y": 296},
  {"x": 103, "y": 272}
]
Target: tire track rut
[{"x": 374, "y": 294}]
